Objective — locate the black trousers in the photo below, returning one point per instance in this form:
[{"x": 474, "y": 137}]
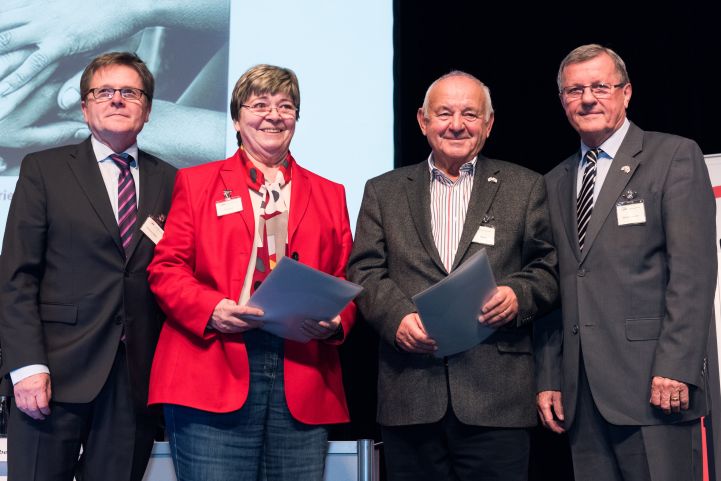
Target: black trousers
[
  {"x": 116, "y": 443},
  {"x": 606, "y": 452},
  {"x": 452, "y": 451}
]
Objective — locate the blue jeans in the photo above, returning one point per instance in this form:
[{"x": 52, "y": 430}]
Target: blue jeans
[{"x": 260, "y": 441}]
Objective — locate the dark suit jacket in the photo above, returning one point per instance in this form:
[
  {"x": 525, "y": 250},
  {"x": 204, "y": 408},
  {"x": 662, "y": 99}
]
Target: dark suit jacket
[
  {"x": 67, "y": 291},
  {"x": 639, "y": 299},
  {"x": 394, "y": 257}
]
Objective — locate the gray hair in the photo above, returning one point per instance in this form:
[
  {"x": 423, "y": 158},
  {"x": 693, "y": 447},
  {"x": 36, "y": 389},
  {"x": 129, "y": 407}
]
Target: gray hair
[
  {"x": 588, "y": 52},
  {"x": 487, "y": 107}
]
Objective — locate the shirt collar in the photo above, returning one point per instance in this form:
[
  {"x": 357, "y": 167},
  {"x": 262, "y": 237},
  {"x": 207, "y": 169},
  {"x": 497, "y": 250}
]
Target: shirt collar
[
  {"x": 103, "y": 152},
  {"x": 468, "y": 167},
  {"x": 612, "y": 144}
]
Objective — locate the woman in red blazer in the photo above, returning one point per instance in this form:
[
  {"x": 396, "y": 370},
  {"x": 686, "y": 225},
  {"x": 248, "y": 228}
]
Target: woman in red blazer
[{"x": 241, "y": 403}]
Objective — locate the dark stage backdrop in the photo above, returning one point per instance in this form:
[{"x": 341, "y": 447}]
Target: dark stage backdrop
[{"x": 673, "y": 56}]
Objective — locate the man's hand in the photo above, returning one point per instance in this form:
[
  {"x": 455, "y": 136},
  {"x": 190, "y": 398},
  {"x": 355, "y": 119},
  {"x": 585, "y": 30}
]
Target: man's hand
[
  {"x": 549, "y": 403},
  {"x": 227, "y": 317},
  {"x": 669, "y": 395},
  {"x": 32, "y": 395},
  {"x": 412, "y": 337},
  {"x": 320, "y": 329},
  {"x": 500, "y": 309}
]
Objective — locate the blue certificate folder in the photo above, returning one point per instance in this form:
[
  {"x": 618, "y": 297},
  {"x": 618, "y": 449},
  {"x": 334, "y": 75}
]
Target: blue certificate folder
[
  {"x": 294, "y": 292},
  {"x": 449, "y": 309}
]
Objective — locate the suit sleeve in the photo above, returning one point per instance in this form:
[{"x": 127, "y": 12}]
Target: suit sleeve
[
  {"x": 185, "y": 299},
  {"x": 689, "y": 210},
  {"x": 382, "y": 302},
  {"x": 547, "y": 351},
  {"x": 21, "y": 269},
  {"x": 536, "y": 284}
]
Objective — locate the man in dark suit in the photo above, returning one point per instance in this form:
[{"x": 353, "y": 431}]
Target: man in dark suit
[
  {"x": 78, "y": 324},
  {"x": 460, "y": 417},
  {"x": 633, "y": 221}
]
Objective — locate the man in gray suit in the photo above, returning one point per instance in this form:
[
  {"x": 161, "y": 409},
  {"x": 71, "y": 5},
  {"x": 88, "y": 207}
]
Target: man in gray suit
[
  {"x": 461, "y": 417},
  {"x": 633, "y": 221}
]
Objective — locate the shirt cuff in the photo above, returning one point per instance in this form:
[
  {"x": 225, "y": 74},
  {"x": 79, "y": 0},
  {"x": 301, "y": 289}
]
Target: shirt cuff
[{"x": 19, "y": 374}]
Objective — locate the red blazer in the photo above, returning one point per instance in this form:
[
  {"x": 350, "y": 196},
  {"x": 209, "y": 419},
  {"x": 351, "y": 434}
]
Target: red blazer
[{"x": 203, "y": 258}]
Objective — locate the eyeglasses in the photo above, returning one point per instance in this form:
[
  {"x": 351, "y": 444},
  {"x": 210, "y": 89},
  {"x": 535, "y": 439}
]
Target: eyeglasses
[
  {"x": 103, "y": 94},
  {"x": 287, "y": 111},
  {"x": 599, "y": 90}
]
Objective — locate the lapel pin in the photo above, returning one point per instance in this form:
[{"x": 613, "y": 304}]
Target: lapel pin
[
  {"x": 625, "y": 169},
  {"x": 493, "y": 179},
  {"x": 159, "y": 219},
  {"x": 629, "y": 195}
]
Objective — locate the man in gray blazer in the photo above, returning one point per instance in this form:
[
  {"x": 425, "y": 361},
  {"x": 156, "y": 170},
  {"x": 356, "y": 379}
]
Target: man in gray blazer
[
  {"x": 633, "y": 221},
  {"x": 461, "y": 417}
]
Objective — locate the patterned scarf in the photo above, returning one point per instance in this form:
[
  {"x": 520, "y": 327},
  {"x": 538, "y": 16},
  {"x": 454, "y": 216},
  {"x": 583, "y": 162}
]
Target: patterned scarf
[{"x": 273, "y": 218}]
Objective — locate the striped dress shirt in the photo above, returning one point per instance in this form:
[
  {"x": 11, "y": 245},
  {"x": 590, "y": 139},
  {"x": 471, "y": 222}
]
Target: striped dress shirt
[{"x": 449, "y": 204}]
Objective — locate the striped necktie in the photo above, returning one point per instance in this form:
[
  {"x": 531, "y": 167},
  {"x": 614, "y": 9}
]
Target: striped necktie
[
  {"x": 584, "y": 203},
  {"x": 127, "y": 205}
]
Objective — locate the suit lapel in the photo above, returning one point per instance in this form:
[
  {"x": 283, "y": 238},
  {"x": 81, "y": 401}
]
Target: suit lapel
[
  {"x": 567, "y": 200},
  {"x": 418, "y": 195},
  {"x": 482, "y": 194},
  {"x": 84, "y": 167},
  {"x": 233, "y": 177},
  {"x": 300, "y": 194},
  {"x": 616, "y": 180},
  {"x": 151, "y": 188}
]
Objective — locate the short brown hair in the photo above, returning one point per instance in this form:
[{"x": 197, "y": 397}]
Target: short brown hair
[
  {"x": 588, "y": 52},
  {"x": 260, "y": 80},
  {"x": 129, "y": 59}
]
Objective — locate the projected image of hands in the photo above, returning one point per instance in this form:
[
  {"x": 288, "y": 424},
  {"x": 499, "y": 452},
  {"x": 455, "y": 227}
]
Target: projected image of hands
[{"x": 45, "y": 45}]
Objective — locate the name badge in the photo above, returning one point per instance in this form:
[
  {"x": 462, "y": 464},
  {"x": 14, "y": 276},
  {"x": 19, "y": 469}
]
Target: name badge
[
  {"x": 228, "y": 206},
  {"x": 151, "y": 229},
  {"x": 485, "y": 235},
  {"x": 631, "y": 212}
]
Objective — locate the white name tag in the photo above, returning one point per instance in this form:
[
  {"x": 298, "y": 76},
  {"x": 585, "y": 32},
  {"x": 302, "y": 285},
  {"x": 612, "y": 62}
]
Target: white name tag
[
  {"x": 485, "y": 235},
  {"x": 229, "y": 206},
  {"x": 151, "y": 229},
  {"x": 631, "y": 213}
]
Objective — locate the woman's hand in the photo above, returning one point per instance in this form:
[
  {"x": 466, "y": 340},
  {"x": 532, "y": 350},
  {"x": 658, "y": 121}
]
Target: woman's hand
[
  {"x": 227, "y": 317},
  {"x": 320, "y": 329}
]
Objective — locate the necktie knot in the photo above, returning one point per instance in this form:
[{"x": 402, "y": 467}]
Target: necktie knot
[
  {"x": 123, "y": 161},
  {"x": 592, "y": 155}
]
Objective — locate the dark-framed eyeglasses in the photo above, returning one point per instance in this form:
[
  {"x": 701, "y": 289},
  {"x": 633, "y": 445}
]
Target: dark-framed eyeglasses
[
  {"x": 287, "y": 111},
  {"x": 600, "y": 90},
  {"x": 103, "y": 94}
]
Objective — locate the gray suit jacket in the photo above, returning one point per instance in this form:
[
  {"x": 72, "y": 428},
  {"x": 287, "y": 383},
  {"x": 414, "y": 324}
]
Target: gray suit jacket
[
  {"x": 67, "y": 292},
  {"x": 639, "y": 299},
  {"x": 394, "y": 257}
]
